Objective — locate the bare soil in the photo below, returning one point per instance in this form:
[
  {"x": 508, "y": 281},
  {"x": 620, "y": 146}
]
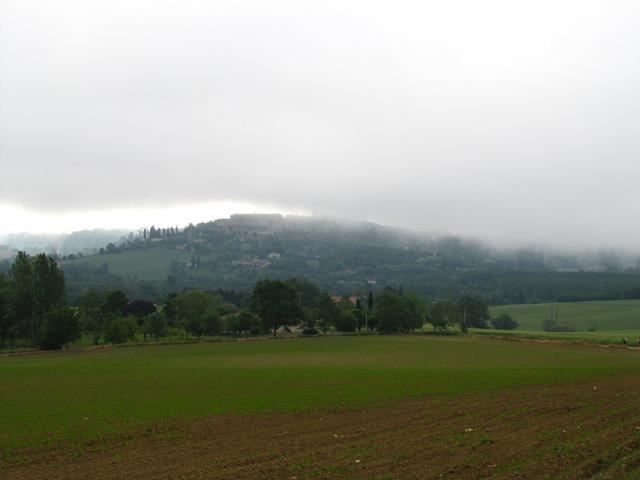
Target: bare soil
[{"x": 588, "y": 430}]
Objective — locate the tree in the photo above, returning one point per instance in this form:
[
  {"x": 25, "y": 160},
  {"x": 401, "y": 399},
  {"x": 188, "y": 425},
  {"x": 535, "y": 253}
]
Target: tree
[
  {"x": 359, "y": 316},
  {"x": 61, "y": 326},
  {"x": 6, "y": 317},
  {"x": 92, "y": 317},
  {"x": 120, "y": 329},
  {"x": 243, "y": 322},
  {"x": 115, "y": 302},
  {"x": 308, "y": 292},
  {"x": 418, "y": 308},
  {"x": 21, "y": 278},
  {"x": 345, "y": 321},
  {"x": 504, "y": 321},
  {"x": 396, "y": 312},
  {"x": 212, "y": 323},
  {"x": 140, "y": 309},
  {"x": 48, "y": 285},
  {"x": 169, "y": 309},
  {"x": 155, "y": 324},
  {"x": 38, "y": 287},
  {"x": 369, "y": 312},
  {"x": 327, "y": 311},
  {"x": 391, "y": 311},
  {"x": 474, "y": 312},
  {"x": 276, "y": 303},
  {"x": 194, "y": 309},
  {"x": 444, "y": 313}
]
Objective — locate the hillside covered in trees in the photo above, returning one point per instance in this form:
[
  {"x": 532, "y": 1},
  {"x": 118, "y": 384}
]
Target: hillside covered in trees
[{"x": 345, "y": 258}]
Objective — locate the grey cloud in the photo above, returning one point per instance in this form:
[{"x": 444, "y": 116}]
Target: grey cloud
[{"x": 514, "y": 121}]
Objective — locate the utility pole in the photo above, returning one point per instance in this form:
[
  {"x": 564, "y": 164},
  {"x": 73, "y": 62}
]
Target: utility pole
[{"x": 464, "y": 319}]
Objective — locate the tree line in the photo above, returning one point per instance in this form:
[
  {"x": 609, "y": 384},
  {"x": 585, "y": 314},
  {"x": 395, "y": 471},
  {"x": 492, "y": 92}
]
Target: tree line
[{"x": 33, "y": 306}]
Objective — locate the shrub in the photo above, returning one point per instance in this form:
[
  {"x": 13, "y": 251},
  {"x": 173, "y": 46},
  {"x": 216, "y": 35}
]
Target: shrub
[
  {"x": 504, "y": 321},
  {"x": 61, "y": 326},
  {"x": 550, "y": 325},
  {"x": 345, "y": 322}
]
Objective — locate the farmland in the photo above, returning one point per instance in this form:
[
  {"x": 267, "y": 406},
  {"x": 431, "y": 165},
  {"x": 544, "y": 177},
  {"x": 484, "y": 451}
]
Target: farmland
[
  {"x": 84, "y": 403},
  {"x": 605, "y": 315}
]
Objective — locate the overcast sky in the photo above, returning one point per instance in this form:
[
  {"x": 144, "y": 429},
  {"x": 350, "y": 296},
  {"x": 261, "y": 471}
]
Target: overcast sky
[{"x": 515, "y": 121}]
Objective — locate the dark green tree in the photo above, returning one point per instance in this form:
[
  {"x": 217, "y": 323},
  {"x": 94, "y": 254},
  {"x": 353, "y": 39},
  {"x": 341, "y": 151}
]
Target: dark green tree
[
  {"x": 444, "y": 314},
  {"x": 6, "y": 316},
  {"x": 120, "y": 329},
  {"x": 474, "y": 312},
  {"x": 22, "y": 296},
  {"x": 92, "y": 316},
  {"x": 248, "y": 323},
  {"x": 345, "y": 321},
  {"x": 115, "y": 302},
  {"x": 397, "y": 312},
  {"x": 327, "y": 312},
  {"x": 155, "y": 324},
  {"x": 140, "y": 309},
  {"x": 48, "y": 285},
  {"x": 38, "y": 287},
  {"x": 392, "y": 312},
  {"x": 359, "y": 316},
  {"x": 169, "y": 309},
  {"x": 308, "y": 292},
  {"x": 276, "y": 303},
  {"x": 418, "y": 308},
  {"x": 194, "y": 309},
  {"x": 212, "y": 323},
  {"x": 60, "y": 327}
]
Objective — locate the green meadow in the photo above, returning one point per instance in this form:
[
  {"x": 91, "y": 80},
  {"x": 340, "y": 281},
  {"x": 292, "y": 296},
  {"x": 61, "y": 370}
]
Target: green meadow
[
  {"x": 80, "y": 395},
  {"x": 583, "y": 316},
  {"x": 150, "y": 264}
]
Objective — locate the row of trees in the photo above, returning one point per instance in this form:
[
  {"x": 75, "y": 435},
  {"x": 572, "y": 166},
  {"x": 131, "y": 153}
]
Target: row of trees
[
  {"x": 33, "y": 307},
  {"x": 275, "y": 305},
  {"x": 285, "y": 303}
]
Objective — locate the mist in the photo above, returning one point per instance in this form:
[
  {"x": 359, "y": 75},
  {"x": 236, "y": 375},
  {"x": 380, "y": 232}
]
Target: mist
[{"x": 512, "y": 122}]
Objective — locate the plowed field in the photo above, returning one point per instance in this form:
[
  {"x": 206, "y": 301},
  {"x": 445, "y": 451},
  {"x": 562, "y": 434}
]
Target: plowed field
[{"x": 574, "y": 429}]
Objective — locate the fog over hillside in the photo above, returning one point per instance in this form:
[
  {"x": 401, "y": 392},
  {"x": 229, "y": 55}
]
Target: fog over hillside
[
  {"x": 84, "y": 241},
  {"x": 89, "y": 242}
]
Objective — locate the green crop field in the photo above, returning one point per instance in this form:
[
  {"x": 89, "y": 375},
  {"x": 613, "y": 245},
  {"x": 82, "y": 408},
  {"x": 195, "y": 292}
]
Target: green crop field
[
  {"x": 80, "y": 395},
  {"x": 583, "y": 316},
  {"x": 151, "y": 264}
]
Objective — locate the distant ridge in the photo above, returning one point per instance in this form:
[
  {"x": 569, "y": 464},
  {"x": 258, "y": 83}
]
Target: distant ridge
[
  {"x": 82, "y": 241},
  {"x": 343, "y": 257}
]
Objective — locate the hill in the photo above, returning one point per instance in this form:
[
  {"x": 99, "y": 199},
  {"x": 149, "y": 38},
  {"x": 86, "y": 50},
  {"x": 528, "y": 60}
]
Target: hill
[{"x": 344, "y": 258}]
